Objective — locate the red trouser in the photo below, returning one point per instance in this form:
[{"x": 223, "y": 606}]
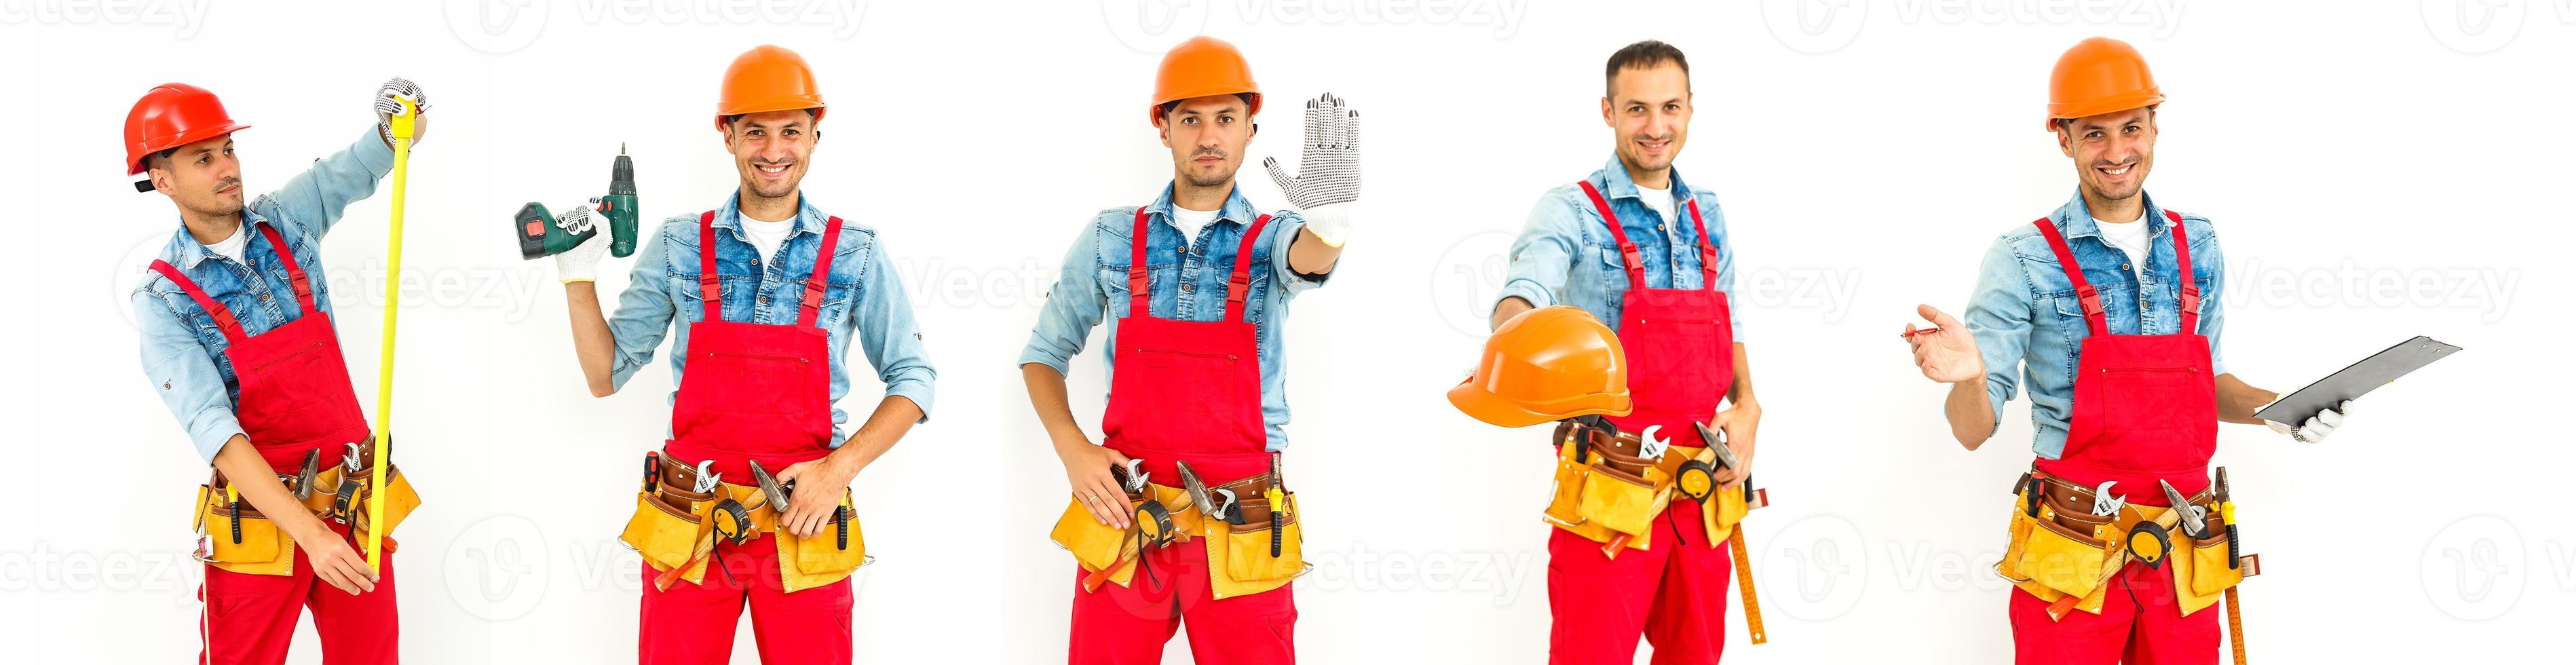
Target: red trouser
[
  {"x": 693, "y": 624},
  {"x": 2139, "y": 625},
  {"x": 1674, "y": 593},
  {"x": 251, "y": 618},
  {"x": 1128, "y": 625}
]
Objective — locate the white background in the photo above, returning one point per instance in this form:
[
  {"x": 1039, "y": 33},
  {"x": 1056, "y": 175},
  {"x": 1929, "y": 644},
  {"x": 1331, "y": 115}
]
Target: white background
[{"x": 2350, "y": 153}]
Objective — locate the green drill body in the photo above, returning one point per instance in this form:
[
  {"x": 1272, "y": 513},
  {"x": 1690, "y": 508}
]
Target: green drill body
[{"x": 541, "y": 235}]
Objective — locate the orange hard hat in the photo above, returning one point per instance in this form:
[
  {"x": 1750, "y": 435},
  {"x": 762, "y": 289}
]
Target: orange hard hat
[
  {"x": 1201, "y": 67},
  {"x": 2100, "y": 75},
  {"x": 768, "y": 78},
  {"x": 1545, "y": 365},
  {"x": 172, "y": 115}
]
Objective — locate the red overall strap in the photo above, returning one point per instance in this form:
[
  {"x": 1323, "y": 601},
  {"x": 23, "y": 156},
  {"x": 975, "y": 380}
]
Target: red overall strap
[
  {"x": 710, "y": 293},
  {"x": 223, "y": 317},
  {"x": 1707, "y": 251},
  {"x": 1137, "y": 280},
  {"x": 2094, "y": 316},
  {"x": 294, "y": 273},
  {"x": 2190, "y": 286},
  {"x": 1239, "y": 284},
  {"x": 813, "y": 303},
  {"x": 1635, "y": 260},
  {"x": 1628, "y": 253}
]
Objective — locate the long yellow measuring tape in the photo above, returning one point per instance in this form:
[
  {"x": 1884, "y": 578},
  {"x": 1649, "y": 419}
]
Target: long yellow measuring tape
[{"x": 402, "y": 127}]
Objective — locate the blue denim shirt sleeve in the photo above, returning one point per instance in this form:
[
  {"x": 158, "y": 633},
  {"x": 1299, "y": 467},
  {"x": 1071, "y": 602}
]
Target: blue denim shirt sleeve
[
  {"x": 183, "y": 375},
  {"x": 320, "y": 195},
  {"x": 1290, "y": 281},
  {"x": 644, "y": 309},
  {"x": 1543, "y": 251},
  {"x": 1999, "y": 317},
  {"x": 1073, "y": 306},
  {"x": 888, "y": 333}
]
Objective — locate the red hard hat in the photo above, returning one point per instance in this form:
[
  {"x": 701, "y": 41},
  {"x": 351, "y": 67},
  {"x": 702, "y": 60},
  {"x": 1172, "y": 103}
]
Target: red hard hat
[{"x": 173, "y": 115}]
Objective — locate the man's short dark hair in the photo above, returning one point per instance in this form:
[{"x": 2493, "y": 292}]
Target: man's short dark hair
[
  {"x": 1166, "y": 109},
  {"x": 809, "y": 114},
  {"x": 1646, "y": 54}
]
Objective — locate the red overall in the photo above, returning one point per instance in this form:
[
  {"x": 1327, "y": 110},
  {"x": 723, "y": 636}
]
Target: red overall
[
  {"x": 295, "y": 398},
  {"x": 2146, "y": 409},
  {"x": 750, "y": 392},
  {"x": 1185, "y": 391},
  {"x": 1681, "y": 358}
]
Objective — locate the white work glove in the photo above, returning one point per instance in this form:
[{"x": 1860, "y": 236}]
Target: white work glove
[
  {"x": 581, "y": 263},
  {"x": 386, "y": 108},
  {"x": 2317, "y": 426},
  {"x": 1327, "y": 185}
]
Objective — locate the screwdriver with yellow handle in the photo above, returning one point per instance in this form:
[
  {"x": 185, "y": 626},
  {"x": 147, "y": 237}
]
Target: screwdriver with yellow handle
[{"x": 403, "y": 126}]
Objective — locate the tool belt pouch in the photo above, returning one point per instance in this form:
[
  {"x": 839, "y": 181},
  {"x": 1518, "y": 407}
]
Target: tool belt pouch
[
  {"x": 1566, "y": 506},
  {"x": 263, "y": 549},
  {"x": 2210, "y": 573},
  {"x": 2060, "y": 552},
  {"x": 1092, "y": 543},
  {"x": 399, "y": 502},
  {"x": 2022, "y": 524},
  {"x": 1248, "y": 555},
  {"x": 1620, "y": 500},
  {"x": 826, "y": 557},
  {"x": 665, "y": 534}
]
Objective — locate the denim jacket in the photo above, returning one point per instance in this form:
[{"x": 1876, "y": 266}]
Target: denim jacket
[
  {"x": 1566, "y": 256},
  {"x": 183, "y": 351},
  {"x": 1188, "y": 284},
  {"x": 2025, "y": 316},
  {"x": 865, "y": 297}
]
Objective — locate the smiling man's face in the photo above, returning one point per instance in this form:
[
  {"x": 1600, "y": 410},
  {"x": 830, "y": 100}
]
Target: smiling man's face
[
  {"x": 771, "y": 150},
  {"x": 203, "y": 178},
  {"x": 1649, "y": 110},
  {"x": 2112, "y": 152}
]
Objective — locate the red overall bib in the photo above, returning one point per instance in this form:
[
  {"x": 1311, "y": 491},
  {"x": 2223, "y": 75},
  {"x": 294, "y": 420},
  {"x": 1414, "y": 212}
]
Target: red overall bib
[
  {"x": 295, "y": 398},
  {"x": 1185, "y": 391},
  {"x": 750, "y": 392},
  {"x": 2146, "y": 409},
  {"x": 1681, "y": 358}
]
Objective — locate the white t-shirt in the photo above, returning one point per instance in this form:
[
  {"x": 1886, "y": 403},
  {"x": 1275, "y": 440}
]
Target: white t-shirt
[
  {"x": 1658, "y": 200},
  {"x": 2130, "y": 237},
  {"x": 766, "y": 236},
  {"x": 232, "y": 247},
  {"x": 1190, "y": 221}
]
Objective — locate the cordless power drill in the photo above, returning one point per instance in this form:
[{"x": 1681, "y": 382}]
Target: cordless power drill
[{"x": 543, "y": 234}]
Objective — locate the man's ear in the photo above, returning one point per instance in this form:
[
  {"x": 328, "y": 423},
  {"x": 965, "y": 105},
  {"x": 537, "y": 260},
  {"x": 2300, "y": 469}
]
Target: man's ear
[
  {"x": 159, "y": 174},
  {"x": 2066, "y": 140},
  {"x": 1163, "y": 129},
  {"x": 1605, "y": 113}
]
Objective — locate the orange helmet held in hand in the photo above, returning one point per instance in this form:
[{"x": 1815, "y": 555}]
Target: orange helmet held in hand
[
  {"x": 1201, "y": 67},
  {"x": 768, "y": 78},
  {"x": 1545, "y": 365},
  {"x": 172, "y": 115},
  {"x": 2099, "y": 75}
]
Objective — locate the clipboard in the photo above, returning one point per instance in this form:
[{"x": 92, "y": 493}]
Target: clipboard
[{"x": 2359, "y": 379}]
